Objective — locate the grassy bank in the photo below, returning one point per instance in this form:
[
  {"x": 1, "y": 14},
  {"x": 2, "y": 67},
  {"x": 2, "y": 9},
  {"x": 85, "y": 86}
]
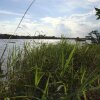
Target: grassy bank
[{"x": 59, "y": 71}]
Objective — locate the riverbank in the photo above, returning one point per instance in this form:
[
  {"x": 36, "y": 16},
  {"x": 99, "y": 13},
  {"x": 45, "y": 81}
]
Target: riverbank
[{"x": 53, "y": 72}]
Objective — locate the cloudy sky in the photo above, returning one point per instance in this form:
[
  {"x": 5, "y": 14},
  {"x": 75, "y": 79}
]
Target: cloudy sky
[{"x": 71, "y": 18}]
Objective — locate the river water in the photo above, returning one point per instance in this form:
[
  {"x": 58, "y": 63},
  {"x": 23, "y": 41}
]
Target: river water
[{"x": 18, "y": 43}]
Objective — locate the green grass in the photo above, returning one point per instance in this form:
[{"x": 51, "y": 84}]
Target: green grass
[{"x": 59, "y": 71}]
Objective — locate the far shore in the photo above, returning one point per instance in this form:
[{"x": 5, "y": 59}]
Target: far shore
[{"x": 7, "y": 36}]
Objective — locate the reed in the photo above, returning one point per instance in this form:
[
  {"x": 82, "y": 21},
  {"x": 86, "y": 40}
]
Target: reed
[{"x": 59, "y": 71}]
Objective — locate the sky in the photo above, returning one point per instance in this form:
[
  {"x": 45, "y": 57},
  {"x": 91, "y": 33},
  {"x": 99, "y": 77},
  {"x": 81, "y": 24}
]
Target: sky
[{"x": 70, "y": 18}]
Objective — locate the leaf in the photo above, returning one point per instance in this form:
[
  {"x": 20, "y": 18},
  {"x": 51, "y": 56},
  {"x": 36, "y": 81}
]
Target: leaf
[
  {"x": 68, "y": 61},
  {"x": 97, "y": 9},
  {"x": 6, "y": 98},
  {"x": 45, "y": 92},
  {"x": 98, "y": 18},
  {"x": 38, "y": 76},
  {"x": 60, "y": 87}
]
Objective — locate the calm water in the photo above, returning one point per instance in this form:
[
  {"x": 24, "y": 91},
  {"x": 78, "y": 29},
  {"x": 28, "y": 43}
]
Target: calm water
[{"x": 19, "y": 43}]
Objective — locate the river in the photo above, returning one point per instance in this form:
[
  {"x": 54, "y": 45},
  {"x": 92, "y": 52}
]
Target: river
[{"x": 18, "y": 43}]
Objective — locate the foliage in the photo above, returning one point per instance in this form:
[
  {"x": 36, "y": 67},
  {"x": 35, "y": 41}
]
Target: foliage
[
  {"x": 94, "y": 36},
  {"x": 97, "y": 13},
  {"x": 59, "y": 71}
]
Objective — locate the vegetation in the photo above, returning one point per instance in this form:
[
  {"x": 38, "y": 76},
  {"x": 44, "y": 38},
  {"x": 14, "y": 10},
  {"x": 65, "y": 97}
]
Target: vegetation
[
  {"x": 9, "y": 36},
  {"x": 59, "y": 71},
  {"x": 94, "y": 36},
  {"x": 97, "y": 13}
]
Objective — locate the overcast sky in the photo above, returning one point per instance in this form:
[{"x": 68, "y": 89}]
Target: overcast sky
[{"x": 72, "y": 18}]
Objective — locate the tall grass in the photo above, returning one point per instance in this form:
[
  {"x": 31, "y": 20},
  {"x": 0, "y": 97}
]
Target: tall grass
[{"x": 59, "y": 71}]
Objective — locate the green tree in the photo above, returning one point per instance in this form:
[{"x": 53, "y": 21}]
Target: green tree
[{"x": 97, "y": 13}]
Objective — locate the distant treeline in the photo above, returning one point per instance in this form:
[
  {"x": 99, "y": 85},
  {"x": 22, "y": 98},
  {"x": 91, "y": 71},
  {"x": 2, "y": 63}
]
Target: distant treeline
[
  {"x": 8, "y": 36},
  {"x": 94, "y": 36}
]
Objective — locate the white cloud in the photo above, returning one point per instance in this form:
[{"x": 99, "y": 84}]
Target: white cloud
[
  {"x": 9, "y": 13},
  {"x": 93, "y": 0},
  {"x": 77, "y": 25},
  {"x": 28, "y": 27},
  {"x": 5, "y": 12},
  {"x": 74, "y": 25}
]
